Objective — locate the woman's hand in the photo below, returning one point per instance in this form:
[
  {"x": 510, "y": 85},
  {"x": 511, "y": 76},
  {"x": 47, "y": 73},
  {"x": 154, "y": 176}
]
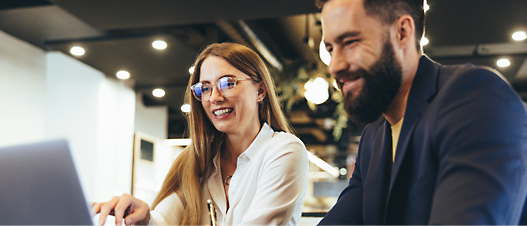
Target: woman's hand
[{"x": 133, "y": 210}]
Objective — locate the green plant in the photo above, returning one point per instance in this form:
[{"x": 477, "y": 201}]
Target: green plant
[{"x": 290, "y": 87}]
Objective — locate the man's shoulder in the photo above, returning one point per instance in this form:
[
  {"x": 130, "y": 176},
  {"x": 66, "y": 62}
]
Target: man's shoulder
[
  {"x": 469, "y": 73},
  {"x": 372, "y": 129},
  {"x": 468, "y": 93}
]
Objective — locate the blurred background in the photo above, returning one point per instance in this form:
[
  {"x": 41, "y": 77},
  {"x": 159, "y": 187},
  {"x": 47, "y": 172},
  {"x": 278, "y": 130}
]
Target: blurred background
[{"x": 110, "y": 77}]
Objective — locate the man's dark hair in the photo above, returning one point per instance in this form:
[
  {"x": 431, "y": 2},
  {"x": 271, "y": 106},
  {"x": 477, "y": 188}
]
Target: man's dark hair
[{"x": 390, "y": 10}]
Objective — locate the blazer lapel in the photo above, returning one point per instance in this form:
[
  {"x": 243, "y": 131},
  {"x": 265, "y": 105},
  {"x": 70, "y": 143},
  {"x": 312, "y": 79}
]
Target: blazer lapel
[
  {"x": 423, "y": 90},
  {"x": 379, "y": 167}
]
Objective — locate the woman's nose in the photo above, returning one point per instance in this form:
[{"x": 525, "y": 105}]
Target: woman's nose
[{"x": 216, "y": 96}]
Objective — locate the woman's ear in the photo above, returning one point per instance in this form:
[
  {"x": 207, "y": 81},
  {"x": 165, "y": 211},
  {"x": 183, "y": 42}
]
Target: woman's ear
[{"x": 261, "y": 91}]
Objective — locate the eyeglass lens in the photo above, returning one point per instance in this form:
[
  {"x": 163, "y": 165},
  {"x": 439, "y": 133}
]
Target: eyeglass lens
[{"x": 202, "y": 90}]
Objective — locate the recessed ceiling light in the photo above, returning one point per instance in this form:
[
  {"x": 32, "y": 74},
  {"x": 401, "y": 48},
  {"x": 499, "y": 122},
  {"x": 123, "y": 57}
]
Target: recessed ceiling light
[
  {"x": 503, "y": 63},
  {"x": 158, "y": 44},
  {"x": 519, "y": 36},
  {"x": 158, "y": 92},
  {"x": 191, "y": 70},
  {"x": 424, "y": 41},
  {"x": 77, "y": 51},
  {"x": 185, "y": 108},
  {"x": 123, "y": 75}
]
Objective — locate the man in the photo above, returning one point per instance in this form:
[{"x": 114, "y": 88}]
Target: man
[{"x": 452, "y": 145}]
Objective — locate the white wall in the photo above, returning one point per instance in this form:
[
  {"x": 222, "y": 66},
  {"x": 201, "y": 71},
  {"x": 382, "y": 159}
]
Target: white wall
[
  {"x": 151, "y": 120},
  {"x": 52, "y": 95},
  {"x": 115, "y": 135},
  {"x": 22, "y": 91},
  {"x": 151, "y": 123},
  {"x": 96, "y": 115}
]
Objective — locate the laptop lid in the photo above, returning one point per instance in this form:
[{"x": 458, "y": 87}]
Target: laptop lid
[{"x": 39, "y": 185}]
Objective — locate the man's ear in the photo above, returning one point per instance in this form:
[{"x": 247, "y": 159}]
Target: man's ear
[
  {"x": 261, "y": 91},
  {"x": 405, "y": 31}
]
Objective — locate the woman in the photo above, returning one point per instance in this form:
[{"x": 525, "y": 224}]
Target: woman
[{"x": 252, "y": 174}]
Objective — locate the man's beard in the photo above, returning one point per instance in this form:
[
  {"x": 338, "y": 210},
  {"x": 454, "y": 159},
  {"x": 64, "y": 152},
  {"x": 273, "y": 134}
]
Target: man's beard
[{"x": 381, "y": 84}]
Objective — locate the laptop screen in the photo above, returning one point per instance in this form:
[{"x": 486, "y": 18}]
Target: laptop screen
[{"x": 39, "y": 185}]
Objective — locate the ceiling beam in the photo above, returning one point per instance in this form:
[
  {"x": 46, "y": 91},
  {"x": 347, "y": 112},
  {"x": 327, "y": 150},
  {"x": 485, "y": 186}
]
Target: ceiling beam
[
  {"x": 243, "y": 34},
  {"x": 178, "y": 84},
  {"x": 476, "y": 50},
  {"x": 260, "y": 46},
  {"x": 231, "y": 31},
  {"x": 522, "y": 72}
]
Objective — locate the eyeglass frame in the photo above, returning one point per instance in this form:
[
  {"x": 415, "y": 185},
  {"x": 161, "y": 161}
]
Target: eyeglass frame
[{"x": 236, "y": 80}]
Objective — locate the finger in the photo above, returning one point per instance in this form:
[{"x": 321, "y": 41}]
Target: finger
[
  {"x": 121, "y": 208},
  {"x": 138, "y": 212},
  {"x": 96, "y": 207},
  {"x": 106, "y": 208}
]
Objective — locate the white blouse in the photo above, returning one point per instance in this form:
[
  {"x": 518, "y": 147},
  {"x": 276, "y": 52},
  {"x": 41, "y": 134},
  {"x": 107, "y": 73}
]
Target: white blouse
[{"x": 267, "y": 188}]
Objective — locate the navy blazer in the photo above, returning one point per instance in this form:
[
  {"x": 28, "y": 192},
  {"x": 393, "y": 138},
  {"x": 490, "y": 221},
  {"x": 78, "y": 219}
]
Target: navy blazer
[{"x": 461, "y": 156}]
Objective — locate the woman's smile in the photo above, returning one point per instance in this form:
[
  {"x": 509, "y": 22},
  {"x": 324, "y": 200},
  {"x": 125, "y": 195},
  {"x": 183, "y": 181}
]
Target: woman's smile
[{"x": 222, "y": 112}]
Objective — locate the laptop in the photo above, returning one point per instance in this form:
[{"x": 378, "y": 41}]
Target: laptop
[{"x": 39, "y": 185}]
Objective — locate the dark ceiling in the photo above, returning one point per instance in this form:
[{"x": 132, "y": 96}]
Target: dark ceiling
[{"x": 117, "y": 35}]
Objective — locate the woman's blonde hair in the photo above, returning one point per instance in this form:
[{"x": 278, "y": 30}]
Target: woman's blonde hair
[{"x": 186, "y": 174}]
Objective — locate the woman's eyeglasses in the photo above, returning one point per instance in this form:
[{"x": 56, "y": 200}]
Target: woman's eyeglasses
[{"x": 203, "y": 90}]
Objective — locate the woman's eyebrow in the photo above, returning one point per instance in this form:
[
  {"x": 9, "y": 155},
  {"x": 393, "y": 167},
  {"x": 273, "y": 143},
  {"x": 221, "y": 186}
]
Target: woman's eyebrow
[
  {"x": 223, "y": 76},
  {"x": 227, "y": 75}
]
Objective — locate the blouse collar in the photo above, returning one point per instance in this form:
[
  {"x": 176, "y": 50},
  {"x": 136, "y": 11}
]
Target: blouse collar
[{"x": 266, "y": 132}]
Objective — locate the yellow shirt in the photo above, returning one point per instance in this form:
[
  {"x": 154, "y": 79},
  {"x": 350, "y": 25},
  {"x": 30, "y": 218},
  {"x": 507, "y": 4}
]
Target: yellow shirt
[{"x": 396, "y": 131}]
